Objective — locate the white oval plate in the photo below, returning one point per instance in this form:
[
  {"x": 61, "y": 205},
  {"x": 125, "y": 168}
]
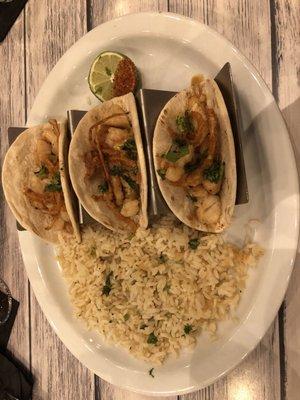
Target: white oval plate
[{"x": 168, "y": 49}]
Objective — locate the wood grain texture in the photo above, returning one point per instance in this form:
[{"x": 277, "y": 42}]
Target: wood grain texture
[
  {"x": 12, "y": 113},
  {"x": 52, "y": 27},
  {"x": 247, "y": 25},
  {"x": 286, "y": 58}
]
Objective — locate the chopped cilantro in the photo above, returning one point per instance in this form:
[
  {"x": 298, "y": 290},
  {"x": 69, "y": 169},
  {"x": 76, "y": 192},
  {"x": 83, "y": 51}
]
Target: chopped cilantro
[
  {"x": 193, "y": 244},
  {"x": 176, "y": 152},
  {"x": 103, "y": 188},
  {"x": 167, "y": 287},
  {"x": 93, "y": 251},
  {"x": 42, "y": 172},
  {"x": 162, "y": 173},
  {"x": 215, "y": 172},
  {"x": 188, "y": 329},
  {"x": 108, "y": 286},
  {"x": 130, "y": 148},
  {"x": 135, "y": 186},
  {"x": 162, "y": 258},
  {"x": 151, "y": 372},
  {"x": 126, "y": 317},
  {"x": 55, "y": 184},
  {"x": 152, "y": 339},
  {"x": 116, "y": 170},
  {"x": 184, "y": 123}
]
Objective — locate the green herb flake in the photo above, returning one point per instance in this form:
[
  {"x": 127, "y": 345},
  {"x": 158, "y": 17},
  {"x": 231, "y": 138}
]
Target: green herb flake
[
  {"x": 178, "y": 150},
  {"x": 108, "y": 286},
  {"x": 93, "y": 251},
  {"x": 184, "y": 123},
  {"x": 126, "y": 317},
  {"x": 103, "y": 188},
  {"x": 130, "y": 148},
  {"x": 188, "y": 329},
  {"x": 215, "y": 172},
  {"x": 116, "y": 170},
  {"x": 162, "y": 258},
  {"x": 42, "y": 172},
  {"x": 167, "y": 287},
  {"x": 151, "y": 372},
  {"x": 193, "y": 243},
  {"x": 192, "y": 198},
  {"x": 152, "y": 339},
  {"x": 55, "y": 185},
  {"x": 162, "y": 173},
  {"x": 135, "y": 186},
  {"x": 108, "y": 71}
]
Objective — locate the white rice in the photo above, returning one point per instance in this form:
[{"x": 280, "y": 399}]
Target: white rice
[{"x": 159, "y": 289}]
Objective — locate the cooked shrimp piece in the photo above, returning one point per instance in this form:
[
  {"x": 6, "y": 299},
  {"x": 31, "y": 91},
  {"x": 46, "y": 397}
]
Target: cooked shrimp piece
[
  {"x": 51, "y": 137},
  {"x": 117, "y": 190},
  {"x": 212, "y": 187},
  {"x": 130, "y": 208},
  {"x": 116, "y": 137},
  {"x": 174, "y": 173},
  {"x": 198, "y": 192},
  {"x": 209, "y": 210},
  {"x": 194, "y": 178},
  {"x": 36, "y": 184},
  {"x": 43, "y": 149}
]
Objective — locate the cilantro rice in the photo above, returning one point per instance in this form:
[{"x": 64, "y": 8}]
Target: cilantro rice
[{"x": 153, "y": 293}]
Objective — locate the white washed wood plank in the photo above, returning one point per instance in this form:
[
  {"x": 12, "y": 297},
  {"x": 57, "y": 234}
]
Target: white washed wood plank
[
  {"x": 247, "y": 25},
  {"x": 12, "y": 113},
  {"x": 287, "y": 56},
  {"x": 102, "y": 11},
  {"x": 52, "y": 26}
]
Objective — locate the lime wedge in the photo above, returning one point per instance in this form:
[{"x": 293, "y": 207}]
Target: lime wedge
[{"x": 102, "y": 72}]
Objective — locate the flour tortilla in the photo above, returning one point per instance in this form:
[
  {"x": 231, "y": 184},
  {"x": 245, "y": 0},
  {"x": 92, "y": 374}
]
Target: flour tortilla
[
  {"x": 18, "y": 170},
  {"x": 176, "y": 197},
  {"x": 80, "y": 145}
]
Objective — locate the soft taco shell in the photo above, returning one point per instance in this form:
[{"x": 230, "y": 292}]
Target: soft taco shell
[
  {"x": 18, "y": 170},
  {"x": 176, "y": 197},
  {"x": 80, "y": 145}
]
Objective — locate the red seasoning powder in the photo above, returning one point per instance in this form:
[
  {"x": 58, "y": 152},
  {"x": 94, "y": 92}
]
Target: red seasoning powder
[{"x": 125, "y": 78}]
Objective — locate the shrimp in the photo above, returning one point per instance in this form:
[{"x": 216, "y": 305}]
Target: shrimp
[
  {"x": 130, "y": 208},
  {"x": 209, "y": 210},
  {"x": 116, "y": 137},
  {"x": 174, "y": 173},
  {"x": 198, "y": 192},
  {"x": 212, "y": 187}
]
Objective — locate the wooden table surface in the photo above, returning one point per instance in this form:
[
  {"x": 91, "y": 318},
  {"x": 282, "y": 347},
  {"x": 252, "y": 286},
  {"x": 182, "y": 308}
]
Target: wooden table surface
[{"x": 267, "y": 32}]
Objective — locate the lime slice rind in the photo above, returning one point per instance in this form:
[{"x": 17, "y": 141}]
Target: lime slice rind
[{"x": 101, "y": 74}]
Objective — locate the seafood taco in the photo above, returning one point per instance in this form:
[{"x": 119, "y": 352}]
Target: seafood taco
[
  {"x": 194, "y": 157},
  {"x": 107, "y": 165},
  {"x": 35, "y": 182}
]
